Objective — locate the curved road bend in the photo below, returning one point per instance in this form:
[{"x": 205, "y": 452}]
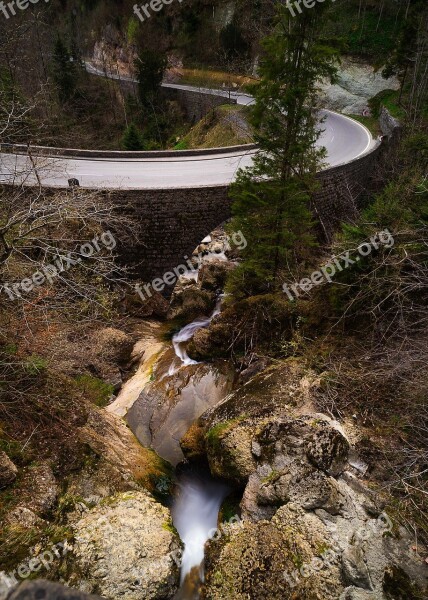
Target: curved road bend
[{"x": 344, "y": 139}]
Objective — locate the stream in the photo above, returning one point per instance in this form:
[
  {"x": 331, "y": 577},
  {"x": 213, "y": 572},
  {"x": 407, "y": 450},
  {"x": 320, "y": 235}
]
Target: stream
[
  {"x": 199, "y": 497},
  {"x": 167, "y": 394}
]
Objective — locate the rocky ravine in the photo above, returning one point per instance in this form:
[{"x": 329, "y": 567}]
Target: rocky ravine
[{"x": 313, "y": 529}]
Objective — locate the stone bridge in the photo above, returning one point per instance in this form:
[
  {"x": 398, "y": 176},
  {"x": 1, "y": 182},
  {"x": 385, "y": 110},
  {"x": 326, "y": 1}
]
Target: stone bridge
[{"x": 173, "y": 222}]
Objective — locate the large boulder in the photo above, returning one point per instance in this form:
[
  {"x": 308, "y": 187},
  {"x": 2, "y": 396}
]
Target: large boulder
[
  {"x": 112, "y": 345},
  {"x": 125, "y": 548},
  {"x": 8, "y": 470},
  {"x": 265, "y": 560},
  {"x": 108, "y": 436},
  {"x": 212, "y": 275}
]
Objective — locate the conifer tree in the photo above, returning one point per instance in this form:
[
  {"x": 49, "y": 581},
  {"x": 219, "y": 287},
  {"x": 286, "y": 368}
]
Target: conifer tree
[
  {"x": 150, "y": 69},
  {"x": 64, "y": 71},
  {"x": 132, "y": 139},
  {"x": 271, "y": 199}
]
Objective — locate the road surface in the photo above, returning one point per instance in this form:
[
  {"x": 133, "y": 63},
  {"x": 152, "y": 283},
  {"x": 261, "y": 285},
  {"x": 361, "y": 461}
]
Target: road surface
[{"x": 344, "y": 139}]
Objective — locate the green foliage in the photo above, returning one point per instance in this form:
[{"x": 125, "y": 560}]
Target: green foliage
[
  {"x": 133, "y": 26},
  {"x": 150, "y": 68},
  {"x": 35, "y": 364},
  {"x": 96, "y": 390},
  {"x": 271, "y": 200},
  {"x": 182, "y": 145},
  {"x": 368, "y": 30},
  {"x": 64, "y": 71},
  {"x": 132, "y": 139},
  {"x": 388, "y": 287},
  {"x": 389, "y": 99}
]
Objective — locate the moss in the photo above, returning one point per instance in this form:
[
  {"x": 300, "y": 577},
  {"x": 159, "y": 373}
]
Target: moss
[
  {"x": 215, "y": 434},
  {"x": 157, "y": 477},
  {"x": 95, "y": 390},
  {"x": 168, "y": 526},
  {"x": 67, "y": 503},
  {"x": 372, "y": 124},
  {"x": 272, "y": 477},
  {"x": 34, "y": 365},
  {"x": 230, "y": 507},
  {"x": 388, "y": 99}
]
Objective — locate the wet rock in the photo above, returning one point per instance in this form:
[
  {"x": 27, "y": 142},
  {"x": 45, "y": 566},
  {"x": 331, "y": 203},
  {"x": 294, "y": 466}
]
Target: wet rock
[
  {"x": 124, "y": 548},
  {"x": 8, "y": 470},
  {"x": 190, "y": 302},
  {"x": 193, "y": 443},
  {"x": 109, "y": 437},
  {"x": 229, "y": 451},
  {"x": 46, "y": 590}
]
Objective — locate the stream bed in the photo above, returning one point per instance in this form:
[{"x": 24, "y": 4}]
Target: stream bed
[{"x": 176, "y": 392}]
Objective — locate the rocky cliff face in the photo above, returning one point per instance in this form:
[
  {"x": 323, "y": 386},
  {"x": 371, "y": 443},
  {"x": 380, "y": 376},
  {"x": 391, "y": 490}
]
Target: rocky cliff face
[
  {"x": 313, "y": 528},
  {"x": 356, "y": 83}
]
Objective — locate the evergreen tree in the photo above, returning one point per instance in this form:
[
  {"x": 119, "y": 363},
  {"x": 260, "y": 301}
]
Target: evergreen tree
[
  {"x": 271, "y": 199},
  {"x": 150, "y": 69},
  {"x": 132, "y": 139},
  {"x": 64, "y": 71}
]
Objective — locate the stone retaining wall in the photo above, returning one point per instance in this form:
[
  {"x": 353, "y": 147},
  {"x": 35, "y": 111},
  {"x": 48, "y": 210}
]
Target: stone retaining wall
[
  {"x": 196, "y": 104},
  {"x": 173, "y": 222}
]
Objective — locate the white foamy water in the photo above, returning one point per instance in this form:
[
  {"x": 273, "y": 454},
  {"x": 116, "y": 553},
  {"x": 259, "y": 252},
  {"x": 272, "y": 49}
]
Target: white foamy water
[
  {"x": 180, "y": 339},
  {"x": 195, "y": 513}
]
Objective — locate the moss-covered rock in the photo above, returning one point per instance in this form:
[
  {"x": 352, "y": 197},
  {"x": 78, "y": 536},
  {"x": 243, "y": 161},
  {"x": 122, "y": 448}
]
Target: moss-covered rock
[
  {"x": 267, "y": 561},
  {"x": 124, "y": 549},
  {"x": 193, "y": 442},
  {"x": 228, "y": 448}
]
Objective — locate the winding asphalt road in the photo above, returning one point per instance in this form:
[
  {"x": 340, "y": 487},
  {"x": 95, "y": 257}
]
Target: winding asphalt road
[{"x": 344, "y": 139}]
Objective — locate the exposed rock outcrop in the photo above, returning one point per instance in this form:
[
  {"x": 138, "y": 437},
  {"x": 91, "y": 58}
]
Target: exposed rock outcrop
[
  {"x": 356, "y": 83},
  {"x": 312, "y": 529},
  {"x": 8, "y": 470},
  {"x": 124, "y": 549},
  {"x": 109, "y": 437}
]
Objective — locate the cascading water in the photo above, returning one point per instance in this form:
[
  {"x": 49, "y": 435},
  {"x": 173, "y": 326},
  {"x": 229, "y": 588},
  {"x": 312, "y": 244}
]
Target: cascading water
[
  {"x": 199, "y": 497},
  {"x": 180, "y": 339},
  {"x": 195, "y": 512}
]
